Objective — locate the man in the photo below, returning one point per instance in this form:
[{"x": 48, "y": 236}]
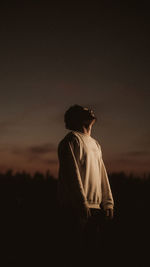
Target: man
[{"x": 83, "y": 186}]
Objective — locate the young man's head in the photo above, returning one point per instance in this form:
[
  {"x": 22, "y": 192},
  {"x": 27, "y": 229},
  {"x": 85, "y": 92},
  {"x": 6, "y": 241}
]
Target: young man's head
[{"x": 77, "y": 117}]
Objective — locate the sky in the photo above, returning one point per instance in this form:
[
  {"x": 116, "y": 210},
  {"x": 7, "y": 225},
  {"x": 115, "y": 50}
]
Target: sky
[{"x": 54, "y": 54}]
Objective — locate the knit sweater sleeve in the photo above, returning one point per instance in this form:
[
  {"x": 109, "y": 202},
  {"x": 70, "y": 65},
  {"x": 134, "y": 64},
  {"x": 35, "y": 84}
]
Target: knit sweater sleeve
[
  {"x": 107, "y": 198},
  {"x": 69, "y": 174}
]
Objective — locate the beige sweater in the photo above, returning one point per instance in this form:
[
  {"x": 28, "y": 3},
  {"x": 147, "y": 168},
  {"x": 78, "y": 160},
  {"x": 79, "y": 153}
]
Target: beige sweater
[{"x": 83, "y": 178}]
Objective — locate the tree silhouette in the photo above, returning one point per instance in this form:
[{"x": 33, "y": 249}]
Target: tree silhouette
[{"x": 30, "y": 224}]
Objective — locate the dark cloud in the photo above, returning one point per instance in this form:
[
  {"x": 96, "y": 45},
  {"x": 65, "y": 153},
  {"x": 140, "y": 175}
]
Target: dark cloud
[
  {"x": 42, "y": 149},
  {"x": 39, "y": 159},
  {"x": 129, "y": 165},
  {"x": 138, "y": 153},
  {"x": 35, "y": 150},
  {"x": 37, "y": 153},
  {"x": 50, "y": 161},
  {"x": 135, "y": 159},
  {"x": 41, "y": 154}
]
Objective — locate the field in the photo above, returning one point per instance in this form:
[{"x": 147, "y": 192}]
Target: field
[{"x": 30, "y": 223}]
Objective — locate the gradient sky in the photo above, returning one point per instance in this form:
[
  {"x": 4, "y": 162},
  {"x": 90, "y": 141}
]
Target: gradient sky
[{"x": 74, "y": 52}]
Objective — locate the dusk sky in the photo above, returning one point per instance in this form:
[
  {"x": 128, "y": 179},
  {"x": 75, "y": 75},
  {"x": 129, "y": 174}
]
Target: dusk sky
[{"x": 59, "y": 53}]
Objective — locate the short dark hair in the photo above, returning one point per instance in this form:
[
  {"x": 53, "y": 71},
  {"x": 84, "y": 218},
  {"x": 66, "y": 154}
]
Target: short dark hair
[{"x": 76, "y": 115}]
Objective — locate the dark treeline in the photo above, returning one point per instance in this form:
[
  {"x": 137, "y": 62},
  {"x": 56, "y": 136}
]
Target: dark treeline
[{"x": 30, "y": 220}]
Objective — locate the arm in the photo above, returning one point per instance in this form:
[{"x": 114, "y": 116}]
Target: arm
[{"x": 69, "y": 174}]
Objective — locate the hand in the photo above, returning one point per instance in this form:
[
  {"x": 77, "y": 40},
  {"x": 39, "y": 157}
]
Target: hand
[
  {"x": 85, "y": 212},
  {"x": 109, "y": 213}
]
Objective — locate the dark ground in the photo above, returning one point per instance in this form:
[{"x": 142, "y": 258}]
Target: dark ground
[{"x": 30, "y": 224}]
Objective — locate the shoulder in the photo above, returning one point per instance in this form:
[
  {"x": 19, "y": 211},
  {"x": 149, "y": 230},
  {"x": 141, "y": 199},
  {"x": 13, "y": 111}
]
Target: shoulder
[
  {"x": 97, "y": 143},
  {"x": 70, "y": 138}
]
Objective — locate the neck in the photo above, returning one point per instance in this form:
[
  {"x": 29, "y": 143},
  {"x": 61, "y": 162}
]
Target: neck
[{"x": 86, "y": 130}]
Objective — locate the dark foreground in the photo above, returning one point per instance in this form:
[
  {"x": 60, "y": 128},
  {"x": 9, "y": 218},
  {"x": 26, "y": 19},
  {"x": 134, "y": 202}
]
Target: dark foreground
[{"x": 32, "y": 233}]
